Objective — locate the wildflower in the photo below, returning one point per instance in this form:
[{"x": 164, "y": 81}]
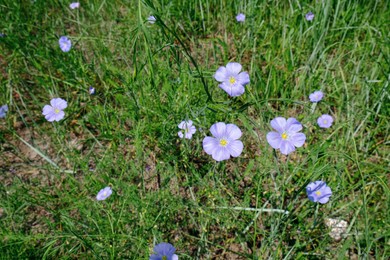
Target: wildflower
[
  {"x": 225, "y": 142},
  {"x": 164, "y": 251},
  {"x": 2, "y": 35},
  {"x": 232, "y": 81},
  {"x": 65, "y": 44},
  {"x": 104, "y": 193},
  {"x": 3, "y": 111},
  {"x": 240, "y": 18},
  {"x": 74, "y": 5},
  {"x": 286, "y": 137},
  {"x": 54, "y": 112},
  {"x": 187, "y": 129},
  {"x": 151, "y": 19},
  {"x": 91, "y": 90},
  {"x": 325, "y": 121},
  {"x": 318, "y": 191},
  {"x": 309, "y": 16},
  {"x": 316, "y": 96}
]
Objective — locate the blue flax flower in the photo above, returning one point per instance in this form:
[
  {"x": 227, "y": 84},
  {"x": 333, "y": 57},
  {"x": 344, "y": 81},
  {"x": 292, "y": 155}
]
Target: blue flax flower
[
  {"x": 240, "y": 18},
  {"x": 318, "y": 191},
  {"x": 225, "y": 142},
  {"x": 232, "y": 81},
  {"x": 151, "y": 19},
  {"x": 3, "y": 111},
  {"x": 104, "y": 193},
  {"x": 309, "y": 16},
  {"x": 286, "y": 137},
  {"x": 91, "y": 90},
  {"x": 74, "y": 5},
  {"x": 164, "y": 251},
  {"x": 316, "y": 96},
  {"x": 187, "y": 129},
  {"x": 65, "y": 44},
  {"x": 325, "y": 121},
  {"x": 53, "y": 112}
]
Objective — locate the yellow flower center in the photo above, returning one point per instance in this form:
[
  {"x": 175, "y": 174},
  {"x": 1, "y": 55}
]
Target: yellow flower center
[
  {"x": 105, "y": 193},
  {"x": 318, "y": 193},
  {"x": 223, "y": 142},
  {"x": 56, "y": 111},
  {"x": 164, "y": 258},
  {"x": 325, "y": 121},
  {"x": 284, "y": 136},
  {"x": 232, "y": 80}
]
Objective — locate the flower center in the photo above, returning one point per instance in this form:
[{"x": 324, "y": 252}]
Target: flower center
[
  {"x": 223, "y": 142},
  {"x": 164, "y": 257},
  {"x": 325, "y": 121},
  {"x": 284, "y": 136},
  {"x": 318, "y": 193},
  {"x": 105, "y": 193},
  {"x": 56, "y": 110},
  {"x": 232, "y": 80}
]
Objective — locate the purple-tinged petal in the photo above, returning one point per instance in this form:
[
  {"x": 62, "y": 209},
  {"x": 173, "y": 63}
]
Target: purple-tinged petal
[
  {"x": 233, "y": 68},
  {"x": 180, "y": 134},
  {"x": 235, "y": 148},
  {"x": 50, "y": 117},
  {"x": 294, "y": 128},
  {"x": 274, "y": 139},
  {"x": 47, "y": 109},
  {"x": 192, "y": 129},
  {"x": 298, "y": 139},
  {"x": 291, "y": 121},
  {"x": 279, "y": 124},
  {"x": 220, "y": 154},
  {"x": 233, "y": 90},
  {"x": 233, "y": 132},
  {"x": 59, "y": 103},
  {"x": 210, "y": 144},
  {"x": 323, "y": 200},
  {"x": 218, "y": 129},
  {"x": 58, "y": 116},
  {"x": 221, "y": 74},
  {"x": 286, "y": 147},
  {"x": 243, "y": 78}
]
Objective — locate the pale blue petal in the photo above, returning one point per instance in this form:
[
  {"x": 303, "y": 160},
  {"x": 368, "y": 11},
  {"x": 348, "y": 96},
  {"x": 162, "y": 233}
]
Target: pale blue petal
[
  {"x": 274, "y": 139},
  {"x": 47, "y": 109},
  {"x": 210, "y": 144},
  {"x": 233, "y": 68},
  {"x": 233, "y": 90},
  {"x": 235, "y": 148},
  {"x": 279, "y": 124},
  {"x": 286, "y": 147},
  {"x": 58, "y": 103},
  {"x": 218, "y": 130},
  {"x": 233, "y": 132},
  {"x": 297, "y": 139},
  {"x": 220, "y": 154},
  {"x": 221, "y": 74},
  {"x": 243, "y": 78},
  {"x": 60, "y": 115}
]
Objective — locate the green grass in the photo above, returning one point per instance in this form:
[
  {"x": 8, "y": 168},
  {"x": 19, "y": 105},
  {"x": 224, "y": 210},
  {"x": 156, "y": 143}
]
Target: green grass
[{"x": 148, "y": 79}]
